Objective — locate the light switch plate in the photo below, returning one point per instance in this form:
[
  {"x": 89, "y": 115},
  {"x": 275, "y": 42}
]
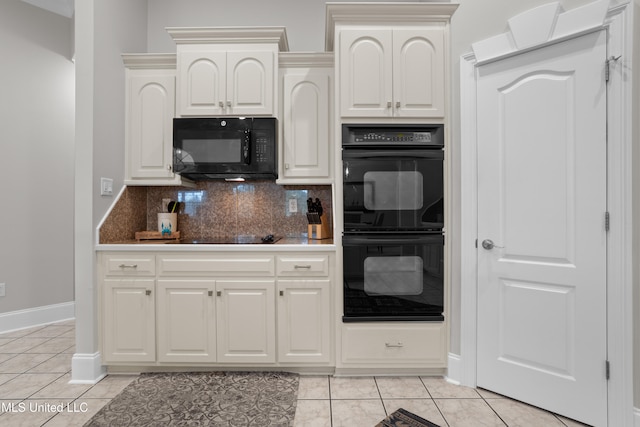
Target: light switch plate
[{"x": 106, "y": 187}]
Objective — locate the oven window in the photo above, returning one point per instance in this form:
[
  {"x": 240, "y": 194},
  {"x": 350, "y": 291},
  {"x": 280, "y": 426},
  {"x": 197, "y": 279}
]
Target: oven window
[
  {"x": 395, "y": 275},
  {"x": 395, "y": 190},
  {"x": 225, "y": 151}
]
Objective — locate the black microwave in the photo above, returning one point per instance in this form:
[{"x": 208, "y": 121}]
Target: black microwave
[{"x": 225, "y": 147}]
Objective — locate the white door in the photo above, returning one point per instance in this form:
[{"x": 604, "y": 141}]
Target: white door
[{"x": 542, "y": 201}]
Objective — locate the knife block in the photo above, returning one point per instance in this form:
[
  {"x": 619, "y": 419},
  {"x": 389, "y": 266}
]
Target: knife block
[{"x": 320, "y": 231}]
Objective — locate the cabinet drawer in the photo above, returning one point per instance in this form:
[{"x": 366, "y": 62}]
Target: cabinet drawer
[
  {"x": 129, "y": 265},
  {"x": 222, "y": 265},
  {"x": 303, "y": 265},
  {"x": 420, "y": 344}
]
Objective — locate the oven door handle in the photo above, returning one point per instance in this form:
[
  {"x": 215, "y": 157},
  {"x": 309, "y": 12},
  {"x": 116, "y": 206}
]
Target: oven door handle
[
  {"x": 396, "y": 240},
  {"x": 350, "y": 154}
]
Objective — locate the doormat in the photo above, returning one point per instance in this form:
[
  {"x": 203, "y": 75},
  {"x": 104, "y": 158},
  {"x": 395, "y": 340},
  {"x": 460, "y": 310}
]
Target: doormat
[
  {"x": 203, "y": 399},
  {"x": 404, "y": 418}
]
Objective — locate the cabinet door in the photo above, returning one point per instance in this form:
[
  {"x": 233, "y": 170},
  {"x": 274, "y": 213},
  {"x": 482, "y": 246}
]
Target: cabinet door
[
  {"x": 186, "y": 321},
  {"x": 151, "y": 106},
  {"x": 306, "y": 127},
  {"x": 250, "y": 83},
  {"x": 366, "y": 73},
  {"x": 246, "y": 321},
  {"x": 201, "y": 83},
  {"x": 128, "y": 320},
  {"x": 418, "y": 73},
  {"x": 304, "y": 320}
]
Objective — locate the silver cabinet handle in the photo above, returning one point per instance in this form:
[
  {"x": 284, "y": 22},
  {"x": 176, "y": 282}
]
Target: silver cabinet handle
[
  {"x": 168, "y": 167},
  {"x": 397, "y": 345},
  {"x": 229, "y": 104},
  {"x": 397, "y": 104},
  {"x": 219, "y": 293},
  {"x": 488, "y": 244},
  {"x": 221, "y": 104},
  {"x": 302, "y": 267},
  {"x": 389, "y": 104},
  {"x": 210, "y": 293},
  {"x": 147, "y": 292},
  {"x": 281, "y": 293},
  {"x": 128, "y": 266}
]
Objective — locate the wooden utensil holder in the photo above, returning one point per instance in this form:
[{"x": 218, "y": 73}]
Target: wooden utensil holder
[{"x": 320, "y": 231}]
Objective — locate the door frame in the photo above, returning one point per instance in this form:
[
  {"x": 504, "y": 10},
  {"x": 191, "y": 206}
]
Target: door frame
[{"x": 462, "y": 367}]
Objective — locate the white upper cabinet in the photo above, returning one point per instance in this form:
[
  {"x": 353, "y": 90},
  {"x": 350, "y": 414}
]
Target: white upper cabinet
[
  {"x": 227, "y": 71},
  {"x": 392, "y": 72},
  {"x": 150, "y": 108},
  {"x": 391, "y": 61},
  {"x": 306, "y": 112}
]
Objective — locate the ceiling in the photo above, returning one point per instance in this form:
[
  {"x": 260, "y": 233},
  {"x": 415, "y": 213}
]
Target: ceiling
[{"x": 61, "y": 7}]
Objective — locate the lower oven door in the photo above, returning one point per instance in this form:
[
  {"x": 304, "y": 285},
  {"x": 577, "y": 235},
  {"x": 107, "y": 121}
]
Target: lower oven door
[{"x": 393, "y": 277}]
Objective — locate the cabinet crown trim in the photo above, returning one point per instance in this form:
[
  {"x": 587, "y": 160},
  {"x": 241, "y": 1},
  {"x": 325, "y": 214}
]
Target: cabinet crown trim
[
  {"x": 362, "y": 13},
  {"x": 149, "y": 60},
  {"x": 306, "y": 59},
  {"x": 204, "y": 35}
]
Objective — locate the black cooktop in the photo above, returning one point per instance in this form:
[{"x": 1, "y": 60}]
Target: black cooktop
[{"x": 238, "y": 240}]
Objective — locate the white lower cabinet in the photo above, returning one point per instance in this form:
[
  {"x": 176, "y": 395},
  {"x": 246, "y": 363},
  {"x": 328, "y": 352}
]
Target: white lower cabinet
[
  {"x": 402, "y": 344},
  {"x": 194, "y": 309},
  {"x": 246, "y": 321},
  {"x": 186, "y": 322},
  {"x": 304, "y": 320},
  {"x": 128, "y": 319}
]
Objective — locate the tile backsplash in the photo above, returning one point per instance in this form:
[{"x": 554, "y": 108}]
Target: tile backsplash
[{"x": 218, "y": 209}]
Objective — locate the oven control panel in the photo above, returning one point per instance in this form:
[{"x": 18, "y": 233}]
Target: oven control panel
[{"x": 392, "y": 135}]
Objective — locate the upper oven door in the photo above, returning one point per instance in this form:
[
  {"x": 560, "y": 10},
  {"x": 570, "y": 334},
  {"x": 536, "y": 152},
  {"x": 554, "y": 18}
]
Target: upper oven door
[{"x": 393, "y": 190}]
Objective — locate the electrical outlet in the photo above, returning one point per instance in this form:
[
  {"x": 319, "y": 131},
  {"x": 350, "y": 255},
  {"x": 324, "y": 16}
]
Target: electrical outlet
[
  {"x": 2, "y": 289},
  {"x": 165, "y": 205},
  {"x": 293, "y": 205}
]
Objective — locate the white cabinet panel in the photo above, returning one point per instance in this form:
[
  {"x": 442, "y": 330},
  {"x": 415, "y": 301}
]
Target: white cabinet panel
[
  {"x": 304, "y": 314},
  {"x": 392, "y": 72},
  {"x": 306, "y": 138},
  {"x": 186, "y": 321},
  {"x": 214, "y": 82},
  {"x": 246, "y": 321},
  {"x": 128, "y": 327}
]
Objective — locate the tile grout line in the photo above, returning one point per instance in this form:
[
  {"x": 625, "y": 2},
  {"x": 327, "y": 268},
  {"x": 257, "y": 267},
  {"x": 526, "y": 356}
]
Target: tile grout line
[{"x": 434, "y": 401}]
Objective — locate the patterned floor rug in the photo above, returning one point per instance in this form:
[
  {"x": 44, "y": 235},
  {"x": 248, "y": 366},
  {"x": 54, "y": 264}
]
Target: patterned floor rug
[
  {"x": 204, "y": 399},
  {"x": 404, "y": 418}
]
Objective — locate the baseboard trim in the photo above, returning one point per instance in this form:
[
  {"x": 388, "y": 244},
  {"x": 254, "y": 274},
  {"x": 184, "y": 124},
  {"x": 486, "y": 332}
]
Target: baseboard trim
[
  {"x": 636, "y": 417},
  {"x": 454, "y": 369},
  {"x": 87, "y": 368},
  {"x": 37, "y": 316}
]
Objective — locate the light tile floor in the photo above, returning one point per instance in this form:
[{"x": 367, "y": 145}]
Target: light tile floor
[{"x": 35, "y": 369}]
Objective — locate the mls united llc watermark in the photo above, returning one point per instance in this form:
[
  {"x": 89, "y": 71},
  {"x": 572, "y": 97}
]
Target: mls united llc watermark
[{"x": 31, "y": 406}]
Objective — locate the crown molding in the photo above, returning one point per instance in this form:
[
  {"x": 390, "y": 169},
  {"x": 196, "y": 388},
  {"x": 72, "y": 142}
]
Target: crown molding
[
  {"x": 202, "y": 35},
  {"x": 149, "y": 60}
]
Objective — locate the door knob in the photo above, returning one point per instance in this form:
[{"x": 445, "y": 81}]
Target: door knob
[{"x": 488, "y": 244}]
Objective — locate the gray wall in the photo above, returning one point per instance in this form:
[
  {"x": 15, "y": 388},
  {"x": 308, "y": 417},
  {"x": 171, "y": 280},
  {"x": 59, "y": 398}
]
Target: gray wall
[
  {"x": 104, "y": 29},
  {"x": 36, "y": 146},
  {"x": 636, "y": 207}
]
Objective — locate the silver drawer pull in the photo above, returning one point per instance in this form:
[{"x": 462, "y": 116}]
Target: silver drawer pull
[
  {"x": 301, "y": 267},
  {"x": 147, "y": 292},
  {"x": 398, "y": 345},
  {"x": 128, "y": 266}
]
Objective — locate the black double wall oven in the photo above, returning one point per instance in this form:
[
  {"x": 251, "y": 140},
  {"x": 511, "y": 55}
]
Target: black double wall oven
[{"x": 393, "y": 241}]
